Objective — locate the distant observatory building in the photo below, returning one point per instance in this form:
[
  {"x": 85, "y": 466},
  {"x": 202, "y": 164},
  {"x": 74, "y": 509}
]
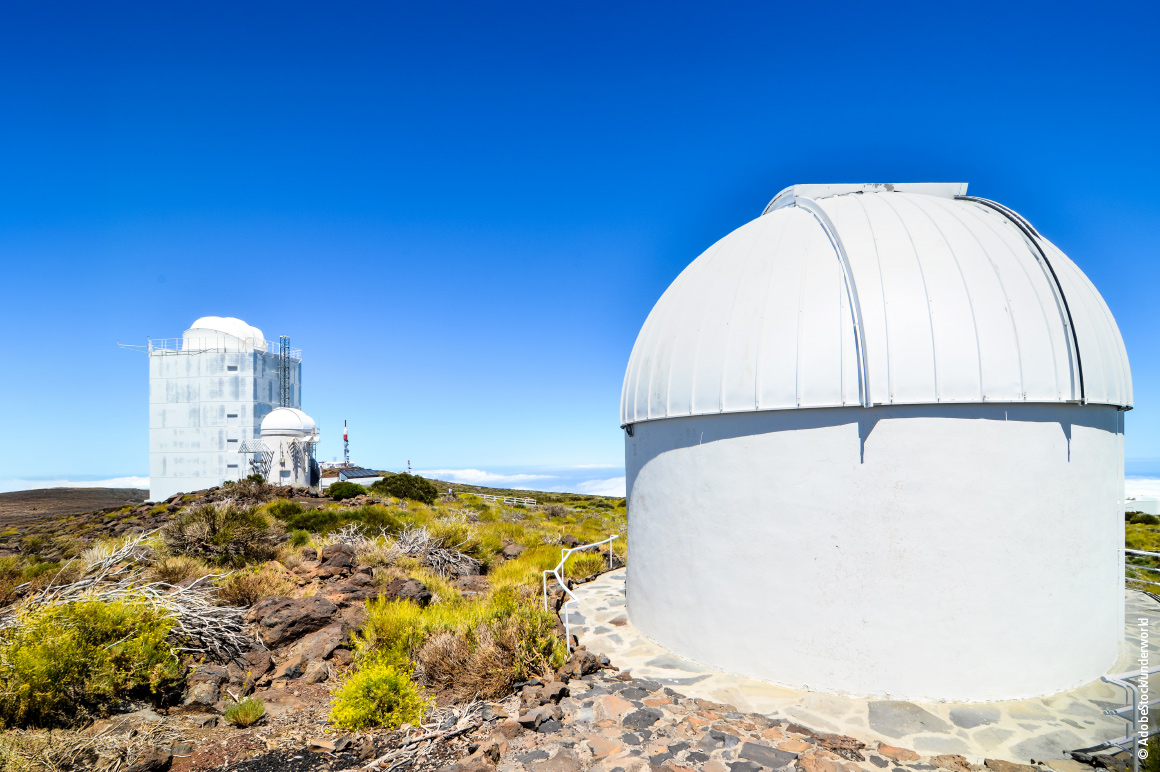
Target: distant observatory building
[
  {"x": 209, "y": 391},
  {"x": 874, "y": 446},
  {"x": 284, "y": 452}
]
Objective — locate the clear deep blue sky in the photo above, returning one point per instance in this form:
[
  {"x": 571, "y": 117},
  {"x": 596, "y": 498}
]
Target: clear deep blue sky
[{"x": 463, "y": 213}]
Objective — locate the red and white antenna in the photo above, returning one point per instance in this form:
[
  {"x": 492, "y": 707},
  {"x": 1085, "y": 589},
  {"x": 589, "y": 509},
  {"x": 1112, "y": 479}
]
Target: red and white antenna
[{"x": 345, "y": 445}]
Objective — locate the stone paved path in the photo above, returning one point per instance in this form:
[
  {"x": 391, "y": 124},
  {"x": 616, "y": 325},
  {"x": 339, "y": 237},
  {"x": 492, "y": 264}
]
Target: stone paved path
[{"x": 1017, "y": 730}]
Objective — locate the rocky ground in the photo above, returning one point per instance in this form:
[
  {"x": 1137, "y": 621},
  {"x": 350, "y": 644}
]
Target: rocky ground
[{"x": 591, "y": 720}]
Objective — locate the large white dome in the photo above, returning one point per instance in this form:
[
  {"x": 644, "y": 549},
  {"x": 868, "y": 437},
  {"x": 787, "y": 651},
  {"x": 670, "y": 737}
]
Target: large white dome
[
  {"x": 876, "y": 295},
  {"x": 216, "y": 327},
  {"x": 287, "y": 421}
]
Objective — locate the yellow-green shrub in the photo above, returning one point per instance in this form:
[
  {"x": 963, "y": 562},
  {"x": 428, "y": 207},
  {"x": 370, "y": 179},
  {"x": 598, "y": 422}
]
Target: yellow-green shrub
[
  {"x": 581, "y": 565},
  {"x": 480, "y": 647},
  {"x": 59, "y": 662},
  {"x": 379, "y": 693},
  {"x": 245, "y": 713}
]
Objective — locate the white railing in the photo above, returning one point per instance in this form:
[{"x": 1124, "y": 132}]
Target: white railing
[
  {"x": 198, "y": 345},
  {"x": 503, "y": 499},
  {"x": 558, "y": 573},
  {"x": 1128, "y": 565}
]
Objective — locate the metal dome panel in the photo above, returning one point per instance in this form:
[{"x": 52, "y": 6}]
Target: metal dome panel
[{"x": 876, "y": 294}]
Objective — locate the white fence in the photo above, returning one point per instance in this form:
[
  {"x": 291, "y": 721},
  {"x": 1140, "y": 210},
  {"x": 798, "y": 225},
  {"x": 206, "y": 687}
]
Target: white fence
[{"x": 502, "y": 499}]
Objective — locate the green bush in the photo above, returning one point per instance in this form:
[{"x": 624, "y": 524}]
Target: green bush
[
  {"x": 1141, "y": 518},
  {"x": 59, "y": 663},
  {"x": 299, "y": 537},
  {"x": 372, "y": 516},
  {"x": 407, "y": 486},
  {"x": 283, "y": 509},
  {"x": 245, "y": 713},
  {"x": 225, "y": 535},
  {"x": 345, "y": 490},
  {"x": 379, "y": 693}
]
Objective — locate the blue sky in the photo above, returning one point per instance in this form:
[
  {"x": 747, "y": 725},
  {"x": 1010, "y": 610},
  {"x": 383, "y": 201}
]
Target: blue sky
[{"x": 462, "y": 213}]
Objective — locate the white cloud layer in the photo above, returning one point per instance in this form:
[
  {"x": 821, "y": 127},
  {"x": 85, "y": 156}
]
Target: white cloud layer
[
  {"x": 7, "y": 486},
  {"x": 486, "y": 479},
  {"x": 613, "y": 486},
  {"x": 1141, "y": 486}
]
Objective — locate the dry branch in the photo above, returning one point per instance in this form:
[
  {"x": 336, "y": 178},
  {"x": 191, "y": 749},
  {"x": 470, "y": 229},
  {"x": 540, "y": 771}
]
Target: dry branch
[
  {"x": 445, "y": 724},
  {"x": 117, "y": 573},
  {"x": 429, "y": 550}
]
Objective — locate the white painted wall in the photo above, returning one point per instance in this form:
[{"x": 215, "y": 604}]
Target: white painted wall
[
  {"x": 955, "y": 552},
  {"x": 1148, "y": 506},
  {"x": 200, "y": 411}
]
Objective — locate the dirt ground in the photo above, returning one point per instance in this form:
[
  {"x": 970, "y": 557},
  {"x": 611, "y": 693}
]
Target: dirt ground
[{"x": 24, "y": 507}]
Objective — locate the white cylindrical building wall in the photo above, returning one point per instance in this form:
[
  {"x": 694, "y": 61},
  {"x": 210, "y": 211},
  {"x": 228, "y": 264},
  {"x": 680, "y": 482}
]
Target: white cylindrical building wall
[{"x": 927, "y": 552}]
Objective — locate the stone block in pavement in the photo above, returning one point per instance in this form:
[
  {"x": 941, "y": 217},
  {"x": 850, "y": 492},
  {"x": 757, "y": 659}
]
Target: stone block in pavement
[
  {"x": 969, "y": 718},
  {"x": 609, "y": 706},
  {"x": 766, "y": 756},
  {"x": 641, "y": 719},
  {"x": 603, "y": 746},
  {"x": 897, "y": 718}
]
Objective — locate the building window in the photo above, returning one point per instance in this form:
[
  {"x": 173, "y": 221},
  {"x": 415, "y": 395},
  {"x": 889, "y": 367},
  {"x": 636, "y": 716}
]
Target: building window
[
  {"x": 231, "y": 440},
  {"x": 285, "y": 473},
  {"x": 231, "y": 368},
  {"x": 231, "y": 466}
]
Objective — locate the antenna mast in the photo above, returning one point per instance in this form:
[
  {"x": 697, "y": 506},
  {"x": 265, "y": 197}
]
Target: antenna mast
[
  {"x": 284, "y": 371},
  {"x": 345, "y": 445}
]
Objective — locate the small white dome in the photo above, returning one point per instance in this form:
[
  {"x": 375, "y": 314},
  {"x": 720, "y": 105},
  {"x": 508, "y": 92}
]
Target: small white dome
[
  {"x": 215, "y": 327},
  {"x": 287, "y": 421},
  {"x": 876, "y": 295}
]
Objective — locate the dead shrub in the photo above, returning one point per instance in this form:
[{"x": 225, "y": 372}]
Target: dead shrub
[
  {"x": 247, "y": 587},
  {"x": 224, "y": 534},
  {"x": 249, "y": 491},
  {"x": 487, "y": 661},
  {"x": 555, "y": 510},
  {"x": 176, "y": 569}
]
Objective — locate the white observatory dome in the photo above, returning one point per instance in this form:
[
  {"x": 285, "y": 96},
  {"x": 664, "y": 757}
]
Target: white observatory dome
[
  {"x": 287, "y": 421},
  {"x": 232, "y": 332},
  {"x": 876, "y": 295},
  {"x": 874, "y": 446}
]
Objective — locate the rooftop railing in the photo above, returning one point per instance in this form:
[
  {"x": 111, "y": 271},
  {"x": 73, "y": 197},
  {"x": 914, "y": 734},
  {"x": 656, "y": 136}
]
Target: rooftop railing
[{"x": 164, "y": 346}]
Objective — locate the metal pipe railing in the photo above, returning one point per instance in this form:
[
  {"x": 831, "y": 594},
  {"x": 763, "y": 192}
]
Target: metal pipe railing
[
  {"x": 558, "y": 573},
  {"x": 1142, "y": 727}
]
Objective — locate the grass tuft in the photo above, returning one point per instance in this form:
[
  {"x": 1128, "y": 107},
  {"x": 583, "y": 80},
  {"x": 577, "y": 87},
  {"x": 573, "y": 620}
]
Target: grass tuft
[{"x": 245, "y": 713}]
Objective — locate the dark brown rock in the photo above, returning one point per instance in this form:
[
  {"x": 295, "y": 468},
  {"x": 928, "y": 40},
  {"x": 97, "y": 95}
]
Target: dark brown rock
[
  {"x": 580, "y": 664},
  {"x": 408, "y": 589},
  {"x": 291, "y": 618},
  {"x": 511, "y": 551},
  {"x": 203, "y": 685},
  {"x": 998, "y": 765},
  {"x": 473, "y": 585},
  {"x": 156, "y": 760}
]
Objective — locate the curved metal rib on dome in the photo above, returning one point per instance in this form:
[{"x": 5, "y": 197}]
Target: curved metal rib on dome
[
  {"x": 1033, "y": 238},
  {"x": 823, "y": 219}
]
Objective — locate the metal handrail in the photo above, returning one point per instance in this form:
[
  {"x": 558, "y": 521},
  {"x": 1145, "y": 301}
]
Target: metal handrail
[
  {"x": 1131, "y": 712},
  {"x": 564, "y": 555}
]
